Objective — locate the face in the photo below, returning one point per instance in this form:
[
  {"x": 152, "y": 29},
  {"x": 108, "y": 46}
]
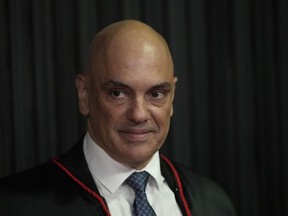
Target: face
[{"x": 128, "y": 102}]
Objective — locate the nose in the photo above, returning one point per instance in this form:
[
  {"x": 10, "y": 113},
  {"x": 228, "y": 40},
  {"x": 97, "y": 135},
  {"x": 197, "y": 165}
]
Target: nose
[{"x": 137, "y": 111}]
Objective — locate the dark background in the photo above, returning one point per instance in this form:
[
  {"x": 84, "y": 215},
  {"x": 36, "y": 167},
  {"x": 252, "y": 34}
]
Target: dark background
[{"x": 230, "y": 121}]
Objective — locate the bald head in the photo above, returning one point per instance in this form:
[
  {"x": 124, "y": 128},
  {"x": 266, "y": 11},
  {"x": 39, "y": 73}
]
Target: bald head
[{"x": 124, "y": 39}]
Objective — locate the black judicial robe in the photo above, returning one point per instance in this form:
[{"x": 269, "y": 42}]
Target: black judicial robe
[{"x": 65, "y": 187}]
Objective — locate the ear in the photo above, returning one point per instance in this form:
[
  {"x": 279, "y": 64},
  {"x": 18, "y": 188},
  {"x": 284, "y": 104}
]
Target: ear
[
  {"x": 175, "y": 79},
  {"x": 82, "y": 89}
]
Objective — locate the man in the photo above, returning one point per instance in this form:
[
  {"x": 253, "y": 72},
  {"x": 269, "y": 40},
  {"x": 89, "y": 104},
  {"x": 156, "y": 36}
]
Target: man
[{"x": 126, "y": 94}]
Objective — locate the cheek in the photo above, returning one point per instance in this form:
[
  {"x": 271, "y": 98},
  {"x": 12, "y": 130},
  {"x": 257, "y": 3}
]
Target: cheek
[
  {"x": 103, "y": 124},
  {"x": 107, "y": 115},
  {"x": 162, "y": 117}
]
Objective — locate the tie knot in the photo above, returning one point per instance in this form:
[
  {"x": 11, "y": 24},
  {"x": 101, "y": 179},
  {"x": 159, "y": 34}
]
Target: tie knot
[{"x": 138, "y": 180}]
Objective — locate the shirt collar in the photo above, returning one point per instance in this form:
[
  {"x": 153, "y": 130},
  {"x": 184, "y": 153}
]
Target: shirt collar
[{"x": 110, "y": 173}]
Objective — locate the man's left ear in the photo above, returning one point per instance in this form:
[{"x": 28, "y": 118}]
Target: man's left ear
[{"x": 175, "y": 79}]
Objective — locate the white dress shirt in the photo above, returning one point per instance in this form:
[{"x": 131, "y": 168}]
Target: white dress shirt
[{"x": 109, "y": 176}]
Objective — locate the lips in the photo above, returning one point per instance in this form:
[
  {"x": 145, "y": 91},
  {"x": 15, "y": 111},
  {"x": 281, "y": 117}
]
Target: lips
[{"x": 136, "y": 135}]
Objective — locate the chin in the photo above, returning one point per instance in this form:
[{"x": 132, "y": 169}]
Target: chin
[{"x": 140, "y": 157}]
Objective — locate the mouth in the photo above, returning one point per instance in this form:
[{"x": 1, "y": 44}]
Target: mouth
[{"x": 135, "y": 135}]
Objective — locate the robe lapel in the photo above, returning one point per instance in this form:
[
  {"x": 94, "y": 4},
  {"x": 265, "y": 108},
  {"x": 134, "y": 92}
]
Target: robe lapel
[{"x": 74, "y": 161}]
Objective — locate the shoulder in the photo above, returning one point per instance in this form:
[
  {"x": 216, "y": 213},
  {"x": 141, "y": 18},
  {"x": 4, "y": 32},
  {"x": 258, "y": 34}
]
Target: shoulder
[
  {"x": 33, "y": 177},
  {"x": 207, "y": 197},
  {"x": 41, "y": 180},
  {"x": 42, "y": 190}
]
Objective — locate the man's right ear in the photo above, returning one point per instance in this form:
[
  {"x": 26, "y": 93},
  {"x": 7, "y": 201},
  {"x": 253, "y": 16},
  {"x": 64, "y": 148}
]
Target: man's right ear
[{"x": 82, "y": 89}]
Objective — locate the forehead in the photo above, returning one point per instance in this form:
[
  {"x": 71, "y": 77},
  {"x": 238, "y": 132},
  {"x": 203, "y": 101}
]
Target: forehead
[
  {"x": 144, "y": 78},
  {"x": 139, "y": 71}
]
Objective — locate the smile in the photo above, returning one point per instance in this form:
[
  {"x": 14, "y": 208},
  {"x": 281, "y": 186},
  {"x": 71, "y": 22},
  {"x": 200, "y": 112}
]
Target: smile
[{"x": 135, "y": 135}]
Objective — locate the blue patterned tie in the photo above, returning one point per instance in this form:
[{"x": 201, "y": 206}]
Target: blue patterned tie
[{"x": 138, "y": 181}]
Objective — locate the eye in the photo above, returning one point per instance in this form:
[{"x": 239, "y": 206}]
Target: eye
[
  {"x": 117, "y": 94},
  {"x": 157, "y": 94}
]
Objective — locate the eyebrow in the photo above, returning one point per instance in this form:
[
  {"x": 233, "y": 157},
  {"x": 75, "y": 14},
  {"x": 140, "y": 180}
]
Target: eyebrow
[
  {"x": 165, "y": 85},
  {"x": 112, "y": 83}
]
